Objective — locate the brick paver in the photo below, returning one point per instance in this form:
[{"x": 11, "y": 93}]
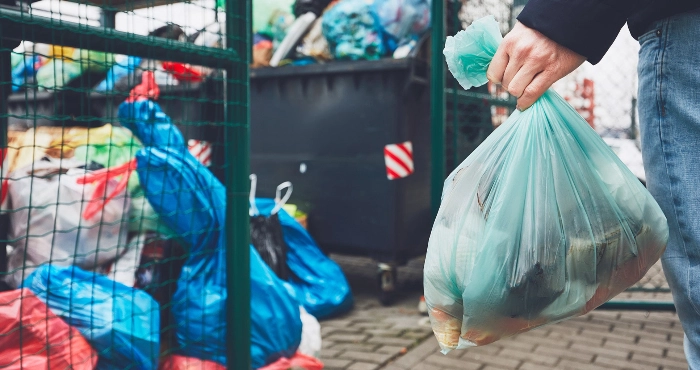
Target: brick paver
[{"x": 398, "y": 338}]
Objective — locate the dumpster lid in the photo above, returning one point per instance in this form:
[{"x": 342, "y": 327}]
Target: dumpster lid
[{"x": 335, "y": 67}]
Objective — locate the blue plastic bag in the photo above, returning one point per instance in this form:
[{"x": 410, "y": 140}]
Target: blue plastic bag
[
  {"x": 119, "y": 70},
  {"x": 192, "y": 202},
  {"x": 121, "y": 323},
  {"x": 402, "y": 20},
  {"x": 541, "y": 223},
  {"x": 319, "y": 282},
  {"x": 147, "y": 121},
  {"x": 25, "y": 69}
]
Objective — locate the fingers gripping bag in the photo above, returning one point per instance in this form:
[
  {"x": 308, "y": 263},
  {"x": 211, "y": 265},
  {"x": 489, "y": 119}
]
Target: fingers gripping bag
[{"x": 541, "y": 223}]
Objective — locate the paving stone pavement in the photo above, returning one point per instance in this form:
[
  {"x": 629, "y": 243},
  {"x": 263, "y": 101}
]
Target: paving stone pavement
[{"x": 398, "y": 338}]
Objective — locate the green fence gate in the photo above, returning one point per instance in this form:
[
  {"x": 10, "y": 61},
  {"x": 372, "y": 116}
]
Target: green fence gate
[{"x": 55, "y": 122}]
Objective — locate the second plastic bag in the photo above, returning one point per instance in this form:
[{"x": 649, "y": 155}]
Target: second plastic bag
[
  {"x": 542, "y": 222},
  {"x": 192, "y": 202},
  {"x": 121, "y": 323}
]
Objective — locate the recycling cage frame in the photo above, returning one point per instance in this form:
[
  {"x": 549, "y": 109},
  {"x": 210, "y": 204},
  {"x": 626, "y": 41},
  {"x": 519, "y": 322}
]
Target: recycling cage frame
[
  {"x": 442, "y": 93},
  {"x": 17, "y": 25}
]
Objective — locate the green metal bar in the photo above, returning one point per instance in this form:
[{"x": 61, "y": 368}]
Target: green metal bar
[
  {"x": 648, "y": 290},
  {"x": 437, "y": 103},
  {"x": 510, "y": 102},
  {"x": 638, "y": 306},
  {"x": 22, "y": 26},
  {"x": 5, "y": 91},
  {"x": 108, "y": 18},
  {"x": 237, "y": 133}
]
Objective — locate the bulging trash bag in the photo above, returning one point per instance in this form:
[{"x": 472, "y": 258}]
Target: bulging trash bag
[
  {"x": 266, "y": 231},
  {"x": 542, "y": 222},
  {"x": 49, "y": 225},
  {"x": 199, "y": 303},
  {"x": 402, "y": 20},
  {"x": 353, "y": 31},
  {"x": 311, "y": 341},
  {"x": 119, "y": 322},
  {"x": 192, "y": 202},
  {"x": 320, "y": 284},
  {"x": 32, "y": 337}
]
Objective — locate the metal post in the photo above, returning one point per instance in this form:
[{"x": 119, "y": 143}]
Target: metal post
[
  {"x": 5, "y": 91},
  {"x": 108, "y": 18},
  {"x": 237, "y": 185},
  {"x": 437, "y": 103}
]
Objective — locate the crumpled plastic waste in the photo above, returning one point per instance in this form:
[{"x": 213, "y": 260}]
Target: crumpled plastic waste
[
  {"x": 541, "y": 223},
  {"x": 353, "y": 31},
  {"x": 199, "y": 303},
  {"x": 177, "y": 362},
  {"x": 402, "y": 20},
  {"x": 298, "y": 361},
  {"x": 23, "y": 73},
  {"x": 122, "y": 67},
  {"x": 319, "y": 282},
  {"x": 32, "y": 337},
  {"x": 314, "y": 44},
  {"x": 121, "y": 323},
  {"x": 263, "y": 13},
  {"x": 48, "y": 225},
  {"x": 262, "y": 51}
]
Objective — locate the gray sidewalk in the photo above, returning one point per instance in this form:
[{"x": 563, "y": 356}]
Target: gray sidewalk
[{"x": 399, "y": 338}]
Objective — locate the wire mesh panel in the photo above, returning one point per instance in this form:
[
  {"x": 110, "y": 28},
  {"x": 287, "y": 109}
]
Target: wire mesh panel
[{"x": 124, "y": 184}]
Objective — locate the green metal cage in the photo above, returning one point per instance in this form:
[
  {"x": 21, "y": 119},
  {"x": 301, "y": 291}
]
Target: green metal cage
[{"x": 55, "y": 115}]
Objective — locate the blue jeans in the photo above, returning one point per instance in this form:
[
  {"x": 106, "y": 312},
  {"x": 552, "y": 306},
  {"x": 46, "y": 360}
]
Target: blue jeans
[{"x": 669, "y": 113}]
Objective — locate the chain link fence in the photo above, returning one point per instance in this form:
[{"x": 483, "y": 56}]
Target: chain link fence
[{"x": 114, "y": 184}]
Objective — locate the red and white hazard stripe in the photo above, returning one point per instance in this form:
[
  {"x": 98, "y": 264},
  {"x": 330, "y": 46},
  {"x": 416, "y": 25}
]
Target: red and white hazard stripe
[
  {"x": 200, "y": 150},
  {"x": 399, "y": 160}
]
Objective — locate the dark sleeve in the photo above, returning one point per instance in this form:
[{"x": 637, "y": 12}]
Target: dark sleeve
[{"x": 587, "y": 27}]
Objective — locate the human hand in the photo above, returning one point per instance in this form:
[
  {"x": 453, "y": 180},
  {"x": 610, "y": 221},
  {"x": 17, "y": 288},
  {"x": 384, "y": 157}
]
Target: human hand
[{"x": 527, "y": 63}]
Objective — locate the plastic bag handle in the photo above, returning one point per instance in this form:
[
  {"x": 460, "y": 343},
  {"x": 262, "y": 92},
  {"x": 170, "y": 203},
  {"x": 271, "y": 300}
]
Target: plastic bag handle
[
  {"x": 101, "y": 178},
  {"x": 253, "y": 211},
  {"x": 280, "y": 202}
]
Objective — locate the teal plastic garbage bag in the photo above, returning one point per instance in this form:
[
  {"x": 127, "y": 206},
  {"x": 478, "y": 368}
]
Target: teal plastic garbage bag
[
  {"x": 353, "y": 31},
  {"x": 542, "y": 222},
  {"x": 192, "y": 202},
  {"x": 122, "y": 324},
  {"x": 319, "y": 282}
]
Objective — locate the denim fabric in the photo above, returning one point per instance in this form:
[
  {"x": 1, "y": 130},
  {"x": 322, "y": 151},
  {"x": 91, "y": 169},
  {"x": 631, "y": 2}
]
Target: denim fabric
[{"x": 669, "y": 112}]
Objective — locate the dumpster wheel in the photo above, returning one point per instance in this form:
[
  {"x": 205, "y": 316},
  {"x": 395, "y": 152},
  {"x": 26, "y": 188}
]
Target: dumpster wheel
[{"x": 387, "y": 283}]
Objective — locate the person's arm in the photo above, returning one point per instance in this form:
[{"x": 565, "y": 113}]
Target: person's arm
[{"x": 553, "y": 38}]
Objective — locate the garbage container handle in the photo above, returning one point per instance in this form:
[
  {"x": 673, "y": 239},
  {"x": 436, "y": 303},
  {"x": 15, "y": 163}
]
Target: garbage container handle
[
  {"x": 253, "y": 210},
  {"x": 281, "y": 201}
]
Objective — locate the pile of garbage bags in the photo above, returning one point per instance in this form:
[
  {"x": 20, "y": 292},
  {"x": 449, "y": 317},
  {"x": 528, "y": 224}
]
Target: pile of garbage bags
[
  {"x": 284, "y": 33},
  {"x": 541, "y": 223},
  {"x": 118, "y": 233},
  {"x": 317, "y": 31},
  {"x": 53, "y": 68}
]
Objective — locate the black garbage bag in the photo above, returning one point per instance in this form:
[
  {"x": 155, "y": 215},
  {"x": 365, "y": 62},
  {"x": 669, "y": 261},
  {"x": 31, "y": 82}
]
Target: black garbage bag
[
  {"x": 266, "y": 236},
  {"x": 266, "y": 232},
  {"x": 302, "y": 7}
]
